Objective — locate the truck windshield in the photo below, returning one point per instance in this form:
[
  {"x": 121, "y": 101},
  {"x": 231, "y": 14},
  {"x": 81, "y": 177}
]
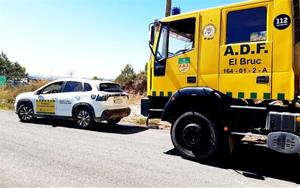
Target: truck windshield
[{"x": 110, "y": 87}]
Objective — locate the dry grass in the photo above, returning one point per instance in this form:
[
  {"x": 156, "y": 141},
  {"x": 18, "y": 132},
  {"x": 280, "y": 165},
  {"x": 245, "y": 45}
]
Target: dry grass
[
  {"x": 135, "y": 116},
  {"x": 9, "y": 93},
  {"x": 135, "y": 99},
  {"x": 140, "y": 120}
]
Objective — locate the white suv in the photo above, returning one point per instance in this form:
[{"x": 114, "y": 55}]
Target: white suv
[{"x": 84, "y": 101}]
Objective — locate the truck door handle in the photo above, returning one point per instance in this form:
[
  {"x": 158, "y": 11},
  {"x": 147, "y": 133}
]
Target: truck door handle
[
  {"x": 262, "y": 79},
  {"x": 191, "y": 79}
]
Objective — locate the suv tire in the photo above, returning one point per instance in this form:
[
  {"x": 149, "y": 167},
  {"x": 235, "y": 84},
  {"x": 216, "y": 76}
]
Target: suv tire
[
  {"x": 25, "y": 113},
  {"x": 83, "y": 118}
]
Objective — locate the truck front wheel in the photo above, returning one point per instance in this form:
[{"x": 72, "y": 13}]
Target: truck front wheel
[{"x": 195, "y": 136}]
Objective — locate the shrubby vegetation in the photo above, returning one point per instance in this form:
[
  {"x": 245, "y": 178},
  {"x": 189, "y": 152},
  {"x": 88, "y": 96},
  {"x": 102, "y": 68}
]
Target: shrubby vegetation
[
  {"x": 134, "y": 83},
  {"x": 8, "y": 93},
  {"x": 12, "y": 70}
]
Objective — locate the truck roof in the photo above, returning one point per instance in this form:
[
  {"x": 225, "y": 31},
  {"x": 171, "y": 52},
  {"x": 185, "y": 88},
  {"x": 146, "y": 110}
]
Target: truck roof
[{"x": 170, "y": 18}]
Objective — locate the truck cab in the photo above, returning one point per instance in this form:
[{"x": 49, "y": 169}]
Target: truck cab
[{"x": 226, "y": 64}]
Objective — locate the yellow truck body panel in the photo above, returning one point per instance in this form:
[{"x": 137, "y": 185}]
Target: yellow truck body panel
[{"x": 261, "y": 67}]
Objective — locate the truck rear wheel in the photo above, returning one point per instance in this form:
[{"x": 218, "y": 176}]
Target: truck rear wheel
[{"x": 195, "y": 136}]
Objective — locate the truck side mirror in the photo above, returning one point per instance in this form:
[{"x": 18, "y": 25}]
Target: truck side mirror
[
  {"x": 151, "y": 35},
  {"x": 38, "y": 92}
]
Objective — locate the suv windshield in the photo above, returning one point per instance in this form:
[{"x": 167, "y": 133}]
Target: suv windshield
[
  {"x": 110, "y": 87},
  {"x": 52, "y": 88}
]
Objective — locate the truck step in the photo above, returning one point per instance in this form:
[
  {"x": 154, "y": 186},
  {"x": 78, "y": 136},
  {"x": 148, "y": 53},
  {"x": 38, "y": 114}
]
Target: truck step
[
  {"x": 252, "y": 138},
  {"x": 248, "y": 107}
]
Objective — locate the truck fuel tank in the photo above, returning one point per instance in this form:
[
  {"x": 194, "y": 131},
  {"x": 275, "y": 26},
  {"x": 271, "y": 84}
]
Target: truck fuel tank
[{"x": 283, "y": 121}]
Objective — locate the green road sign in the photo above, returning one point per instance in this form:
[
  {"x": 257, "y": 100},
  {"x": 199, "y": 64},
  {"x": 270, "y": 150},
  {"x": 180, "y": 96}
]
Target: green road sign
[{"x": 2, "y": 80}]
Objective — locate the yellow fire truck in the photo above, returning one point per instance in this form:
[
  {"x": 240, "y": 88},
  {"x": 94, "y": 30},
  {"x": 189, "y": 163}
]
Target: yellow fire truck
[{"x": 220, "y": 74}]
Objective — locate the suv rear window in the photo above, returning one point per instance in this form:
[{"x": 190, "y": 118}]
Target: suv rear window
[{"x": 110, "y": 87}]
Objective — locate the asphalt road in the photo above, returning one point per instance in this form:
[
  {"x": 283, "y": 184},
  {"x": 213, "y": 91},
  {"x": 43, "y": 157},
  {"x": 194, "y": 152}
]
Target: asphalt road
[{"x": 54, "y": 153}]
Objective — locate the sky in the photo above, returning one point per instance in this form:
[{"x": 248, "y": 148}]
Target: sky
[{"x": 87, "y": 37}]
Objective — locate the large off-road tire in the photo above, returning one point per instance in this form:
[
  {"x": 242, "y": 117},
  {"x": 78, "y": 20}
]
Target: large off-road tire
[
  {"x": 113, "y": 121},
  {"x": 195, "y": 136},
  {"x": 83, "y": 118},
  {"x": 25, "y": 113}
]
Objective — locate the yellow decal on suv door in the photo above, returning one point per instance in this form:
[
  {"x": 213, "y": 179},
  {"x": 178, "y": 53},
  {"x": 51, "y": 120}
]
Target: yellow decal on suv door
[{"x": 45, "y": 106}]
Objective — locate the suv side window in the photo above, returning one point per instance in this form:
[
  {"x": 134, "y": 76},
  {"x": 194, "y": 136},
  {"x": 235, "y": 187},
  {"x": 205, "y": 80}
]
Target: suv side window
[
  {"x": 248, "y": 25},
  {"x": 52, "y": 88},
  {"x": 87, "y": 87},
  {"x": 72, "y": 86}
]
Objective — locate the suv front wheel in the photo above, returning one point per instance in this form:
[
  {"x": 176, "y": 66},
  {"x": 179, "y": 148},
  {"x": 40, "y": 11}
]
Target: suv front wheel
[
  {"x": 25, "y": 113},
  {"x": 83, "y": 118}
]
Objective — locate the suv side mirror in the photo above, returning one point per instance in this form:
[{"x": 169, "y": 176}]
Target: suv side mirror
[{"x": 38, "y": 92}]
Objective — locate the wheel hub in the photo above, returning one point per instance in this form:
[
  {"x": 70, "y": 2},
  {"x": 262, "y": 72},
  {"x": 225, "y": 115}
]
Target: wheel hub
[
  {"x": 26, "y": 113},
  {"x": 192, "y": 134},
  {"x": 83, "y": 118}
]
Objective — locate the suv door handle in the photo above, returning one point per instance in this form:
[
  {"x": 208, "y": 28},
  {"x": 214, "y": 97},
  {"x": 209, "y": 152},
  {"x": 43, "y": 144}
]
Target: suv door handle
[{"x": 262, "y": 79}]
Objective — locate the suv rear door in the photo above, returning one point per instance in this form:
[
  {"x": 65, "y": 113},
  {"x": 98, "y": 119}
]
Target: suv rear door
[{"x": 70, "y": 95}]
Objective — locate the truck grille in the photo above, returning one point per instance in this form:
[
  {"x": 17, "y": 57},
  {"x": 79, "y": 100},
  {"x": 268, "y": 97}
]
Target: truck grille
[{"x": 297, "y": 20}]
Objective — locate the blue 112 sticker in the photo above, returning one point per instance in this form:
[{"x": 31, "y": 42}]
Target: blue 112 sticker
[{"x": 282, "y": 22}]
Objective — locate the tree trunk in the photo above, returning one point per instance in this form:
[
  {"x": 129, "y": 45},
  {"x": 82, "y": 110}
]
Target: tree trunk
[{"x": 168, "y": 7}]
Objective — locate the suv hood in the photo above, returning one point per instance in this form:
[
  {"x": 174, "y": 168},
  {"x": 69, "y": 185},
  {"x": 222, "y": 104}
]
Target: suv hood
[{"x": 25, "y": 95}]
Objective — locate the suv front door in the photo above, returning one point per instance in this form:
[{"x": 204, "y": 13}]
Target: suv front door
[{"x": 45, "y": 102}]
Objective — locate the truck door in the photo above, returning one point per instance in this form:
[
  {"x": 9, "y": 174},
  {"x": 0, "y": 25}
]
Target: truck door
[
  {"x": 175, "y": 66},
  {"x": 246, "y": 51}
]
